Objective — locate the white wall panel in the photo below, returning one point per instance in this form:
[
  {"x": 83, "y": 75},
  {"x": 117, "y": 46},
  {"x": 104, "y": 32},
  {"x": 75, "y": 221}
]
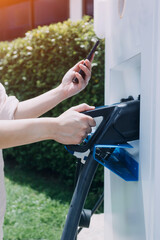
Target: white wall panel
[{"x": 132, "y": 67}]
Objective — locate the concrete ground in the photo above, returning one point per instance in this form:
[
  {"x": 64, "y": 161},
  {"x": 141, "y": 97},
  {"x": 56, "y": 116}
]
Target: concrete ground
[{"x": 96, "y": 229}]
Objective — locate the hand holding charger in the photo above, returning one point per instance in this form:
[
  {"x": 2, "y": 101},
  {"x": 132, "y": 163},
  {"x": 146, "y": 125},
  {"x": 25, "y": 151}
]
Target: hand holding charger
[{"x": 89, "y": 57}]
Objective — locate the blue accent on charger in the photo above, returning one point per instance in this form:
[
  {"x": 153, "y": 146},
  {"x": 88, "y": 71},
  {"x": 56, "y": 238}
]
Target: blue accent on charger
[
  {"x": 120, "y": 161},
  {"x": 119, "y": 126},
  {"x": 72, "y": 152}
]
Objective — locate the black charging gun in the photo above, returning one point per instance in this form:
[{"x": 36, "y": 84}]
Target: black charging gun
[{"x": 117, "y": 125}]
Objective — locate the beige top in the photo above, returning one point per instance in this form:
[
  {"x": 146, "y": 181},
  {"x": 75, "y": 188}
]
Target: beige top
[{"x": 8, "y": 106}]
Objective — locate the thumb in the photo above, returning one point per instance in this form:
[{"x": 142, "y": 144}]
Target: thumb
[{"x": 83, "y": 107}]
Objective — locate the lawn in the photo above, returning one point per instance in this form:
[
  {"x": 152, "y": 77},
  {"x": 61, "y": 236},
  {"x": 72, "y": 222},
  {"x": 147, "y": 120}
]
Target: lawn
[{"x": 37, "y": 205}]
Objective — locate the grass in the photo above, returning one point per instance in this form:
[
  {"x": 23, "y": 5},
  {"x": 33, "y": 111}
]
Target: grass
[{"x": 37, "y": 205}]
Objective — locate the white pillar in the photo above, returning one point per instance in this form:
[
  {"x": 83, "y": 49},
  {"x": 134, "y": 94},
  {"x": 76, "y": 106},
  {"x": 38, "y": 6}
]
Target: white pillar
[
  {"x": 132, "y": 209},
  {"x": 75, "y": 8}
]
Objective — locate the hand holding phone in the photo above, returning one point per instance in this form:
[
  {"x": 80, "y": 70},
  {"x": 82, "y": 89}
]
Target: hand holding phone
[{"x": 89, "y": 57}]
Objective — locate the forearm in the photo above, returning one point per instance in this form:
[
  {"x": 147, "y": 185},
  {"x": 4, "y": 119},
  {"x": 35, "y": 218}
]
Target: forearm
[
  {"x": 71, "y": 127},
  {"x": 37, "y": 106},
  {"x": 20, "y": 132}
]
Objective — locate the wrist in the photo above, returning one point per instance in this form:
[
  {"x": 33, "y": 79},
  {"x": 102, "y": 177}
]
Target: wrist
[
  {"x": 62, "y": 93},
  {"x": 48, "y": 128}
]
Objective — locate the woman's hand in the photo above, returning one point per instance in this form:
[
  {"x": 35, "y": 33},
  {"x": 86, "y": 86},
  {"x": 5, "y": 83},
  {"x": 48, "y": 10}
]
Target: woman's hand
[
  {"x": 67, "y": 84},
  {"x": 73, "y": 126}
]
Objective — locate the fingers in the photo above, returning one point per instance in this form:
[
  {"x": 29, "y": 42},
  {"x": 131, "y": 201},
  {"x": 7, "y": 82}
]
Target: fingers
[
  {"x": 88, "y": 64},
  {"x": 76, "y": 67},
  {"x": 86, "y": 122},
  {"x": 86, "y": 70},
  {"x": 83, "y": 107},
  {"x": 82, "y": 62},
  {"x": 80, "y": 80},
  {"x": 85, "y": 66},
  {"x": 84, "y": 133},
  {"x": 91, "y": 121},
  {"x": 73, "y": 126}
]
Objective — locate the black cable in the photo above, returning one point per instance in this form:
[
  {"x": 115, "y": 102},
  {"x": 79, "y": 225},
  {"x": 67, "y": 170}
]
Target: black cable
[
  {"x": 96, "y": 206},
  {"x": 78, "y": 199}
]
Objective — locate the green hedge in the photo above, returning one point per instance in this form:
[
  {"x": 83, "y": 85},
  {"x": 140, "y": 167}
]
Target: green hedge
[{"x": 36, "y": 63}]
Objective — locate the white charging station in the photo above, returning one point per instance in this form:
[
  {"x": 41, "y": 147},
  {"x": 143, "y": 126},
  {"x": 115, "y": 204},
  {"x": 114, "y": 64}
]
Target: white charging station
[{"x": 132, "y": 67}]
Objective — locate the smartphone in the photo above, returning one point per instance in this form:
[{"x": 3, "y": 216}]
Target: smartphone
[{"x": 75, "y": 80}]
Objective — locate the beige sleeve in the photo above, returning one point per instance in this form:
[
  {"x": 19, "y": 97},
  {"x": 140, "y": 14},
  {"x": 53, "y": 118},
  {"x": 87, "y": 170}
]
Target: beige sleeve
[{"x": 8, "y": 105}]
